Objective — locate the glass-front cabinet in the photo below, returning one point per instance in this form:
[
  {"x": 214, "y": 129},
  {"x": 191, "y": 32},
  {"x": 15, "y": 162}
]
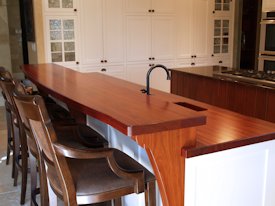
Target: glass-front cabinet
[
  {"x": 221, "y": 36},
  {"x": 60, "y": 5},
  {"x": 61, "y": 40},
  {"x": 222, "y": 5}
]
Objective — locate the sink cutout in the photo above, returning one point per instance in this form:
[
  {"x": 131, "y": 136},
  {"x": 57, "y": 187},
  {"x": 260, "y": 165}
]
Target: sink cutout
[{"x": 191, "y": 106}]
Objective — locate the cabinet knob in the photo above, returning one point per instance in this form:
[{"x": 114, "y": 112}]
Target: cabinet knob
[
  {"x": 75, "y": 9},
  {"x": 153, "y": 58},
  {"x": 150, "y": 58},
  {"x": 195, "y": 56},
  {"x": 150, "y": 65},
  {"x": 149, "y": 10},
  {"x": 220, "y": 62},
  {"x": 105, "y": 61},
  {"x": 77, "y": 62},
  {"x": 213, "y": 12},
  {"x": 153, "y": 10},
  {"x": 103, "y": 70},
  {"x": 102, "y": 61},
  {"x": 192, "y": 64},
  {"x": 212, "y": 55}
]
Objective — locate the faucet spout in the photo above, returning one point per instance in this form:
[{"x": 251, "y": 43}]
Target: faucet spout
[{"x": 148, "y": 76}]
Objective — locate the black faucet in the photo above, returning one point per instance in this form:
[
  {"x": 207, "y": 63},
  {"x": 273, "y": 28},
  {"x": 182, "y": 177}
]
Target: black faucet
[{"x": 147, "y": 90}]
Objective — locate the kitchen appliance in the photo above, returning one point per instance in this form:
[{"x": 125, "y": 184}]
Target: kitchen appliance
[
  {"x": 267, "y": 42},
  {"x": 265, "y": 78}
]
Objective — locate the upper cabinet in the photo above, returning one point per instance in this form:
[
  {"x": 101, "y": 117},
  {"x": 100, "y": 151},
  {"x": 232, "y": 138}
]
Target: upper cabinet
[
  {"x": 268, "y": 5},
  {"x": 150, "y": 31},
  {"x": 222, "y": 32},
  {"x": 60, "y": 5},
  {"x": 102, "y": 32},
  {"x": 193, "y": 30},
  {"x": 151, "y": 6}
]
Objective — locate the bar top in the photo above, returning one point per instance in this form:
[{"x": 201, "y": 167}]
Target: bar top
[
  {"x": 122, "y": 105},
  {"x": 116, "y": 102}
]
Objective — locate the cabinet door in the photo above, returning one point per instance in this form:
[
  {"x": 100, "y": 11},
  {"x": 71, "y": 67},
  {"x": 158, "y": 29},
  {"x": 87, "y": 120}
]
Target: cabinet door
[
  {"x": 163, "y": 45},
  {"x": 91, "y": 17},
  {"x": 113, "y": 31},
  {"x": 60, "y": 5},
  {"x": 201, "y": 28},
  {"x": 137, "y": 6},
  {"x": 184, "y": 29},
  {"x": 61, "y": 40},
  {"x": 138, "y": 38},
  {"x": 163, "y": 6}
]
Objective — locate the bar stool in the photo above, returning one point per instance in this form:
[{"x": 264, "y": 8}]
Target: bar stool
[
  {"x": 81, "y": 176},
  {"x": 10, "y": 147},
  {"x": 20, "y": 141}
]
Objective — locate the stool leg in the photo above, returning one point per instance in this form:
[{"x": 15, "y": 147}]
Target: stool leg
[
  {"x": 150, "y": 194},
  {"x": 8, "y": 118},
  {"x": 16, "y": 154},
  {"x": 33, "y": 171},
  {"x": 24, "y": 155}
]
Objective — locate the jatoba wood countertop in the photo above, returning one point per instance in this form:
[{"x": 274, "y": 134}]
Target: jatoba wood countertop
[
  {"x": 116, "y": 102},
  {"x": 121, "y": 104}
]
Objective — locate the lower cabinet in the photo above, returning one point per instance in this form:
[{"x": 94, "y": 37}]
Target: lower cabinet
[{"x": 239, "y": 176}]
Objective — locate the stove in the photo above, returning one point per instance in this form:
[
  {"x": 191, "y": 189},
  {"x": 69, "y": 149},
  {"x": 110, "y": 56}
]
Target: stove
[{"x": 265, "y": 78}]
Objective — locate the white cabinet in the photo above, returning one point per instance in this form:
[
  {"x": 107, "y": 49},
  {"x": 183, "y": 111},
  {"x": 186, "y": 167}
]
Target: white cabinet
[
  {"x": 102, "y": 32},
  {"x": 60, "y": 6},
  {"x": 61, "y": 40},
  {"x": 222, "y": 32},
  {"x": 137, "y": 73},
  {"x": 193, "y": 30},
  {"x": 268, "y": 5},
  {"x": 152, "y": 6}
]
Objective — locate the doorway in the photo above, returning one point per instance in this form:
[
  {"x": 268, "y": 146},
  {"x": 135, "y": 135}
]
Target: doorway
[{"x": 251, "y": 14}]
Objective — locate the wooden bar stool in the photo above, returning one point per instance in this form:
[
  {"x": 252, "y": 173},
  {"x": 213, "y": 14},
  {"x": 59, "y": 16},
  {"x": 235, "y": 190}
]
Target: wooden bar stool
[
  {"x": 20, "y": 141},
  {"x": 10, "y": 146},
  {"x": 81, "y": 176}
]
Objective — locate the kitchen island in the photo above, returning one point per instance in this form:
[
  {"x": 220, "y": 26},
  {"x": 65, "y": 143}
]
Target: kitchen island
[
  {"x": 184, "y": 152},
  {"x": 242, "y": 91}
]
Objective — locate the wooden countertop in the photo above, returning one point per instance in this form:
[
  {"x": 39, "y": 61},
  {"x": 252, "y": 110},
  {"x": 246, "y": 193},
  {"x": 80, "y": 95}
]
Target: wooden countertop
[
  {"x": 121, "y": 104},
  {"x": 116, "y": 102}
]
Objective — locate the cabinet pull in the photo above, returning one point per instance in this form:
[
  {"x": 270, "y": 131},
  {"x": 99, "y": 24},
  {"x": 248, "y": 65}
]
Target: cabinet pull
[
  {"x": 192, "y": 64},
  {"x": 150, "y": 65},
  {"x": 103, "y": 70},
  {"x": 220, "y": 62}
]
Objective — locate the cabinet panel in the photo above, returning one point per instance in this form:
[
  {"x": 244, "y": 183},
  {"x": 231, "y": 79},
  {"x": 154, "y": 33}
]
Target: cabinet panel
[
  {"x": 163, "y": 6},
  {"x": 138, "y": 38},
  {"x": 91, "y": 31},
  {"x": 183, "y": 28},
  {"x": 114, "y": 31},
  {"x": 137, "y": 6},
  {"x": 163, "y": 37},
  {"x": 201, "y": 28}
]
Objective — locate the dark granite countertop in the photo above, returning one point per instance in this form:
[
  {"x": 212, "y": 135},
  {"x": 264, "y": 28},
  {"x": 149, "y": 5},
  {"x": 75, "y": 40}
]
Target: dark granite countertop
[{"x": 219, "y": 72}]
